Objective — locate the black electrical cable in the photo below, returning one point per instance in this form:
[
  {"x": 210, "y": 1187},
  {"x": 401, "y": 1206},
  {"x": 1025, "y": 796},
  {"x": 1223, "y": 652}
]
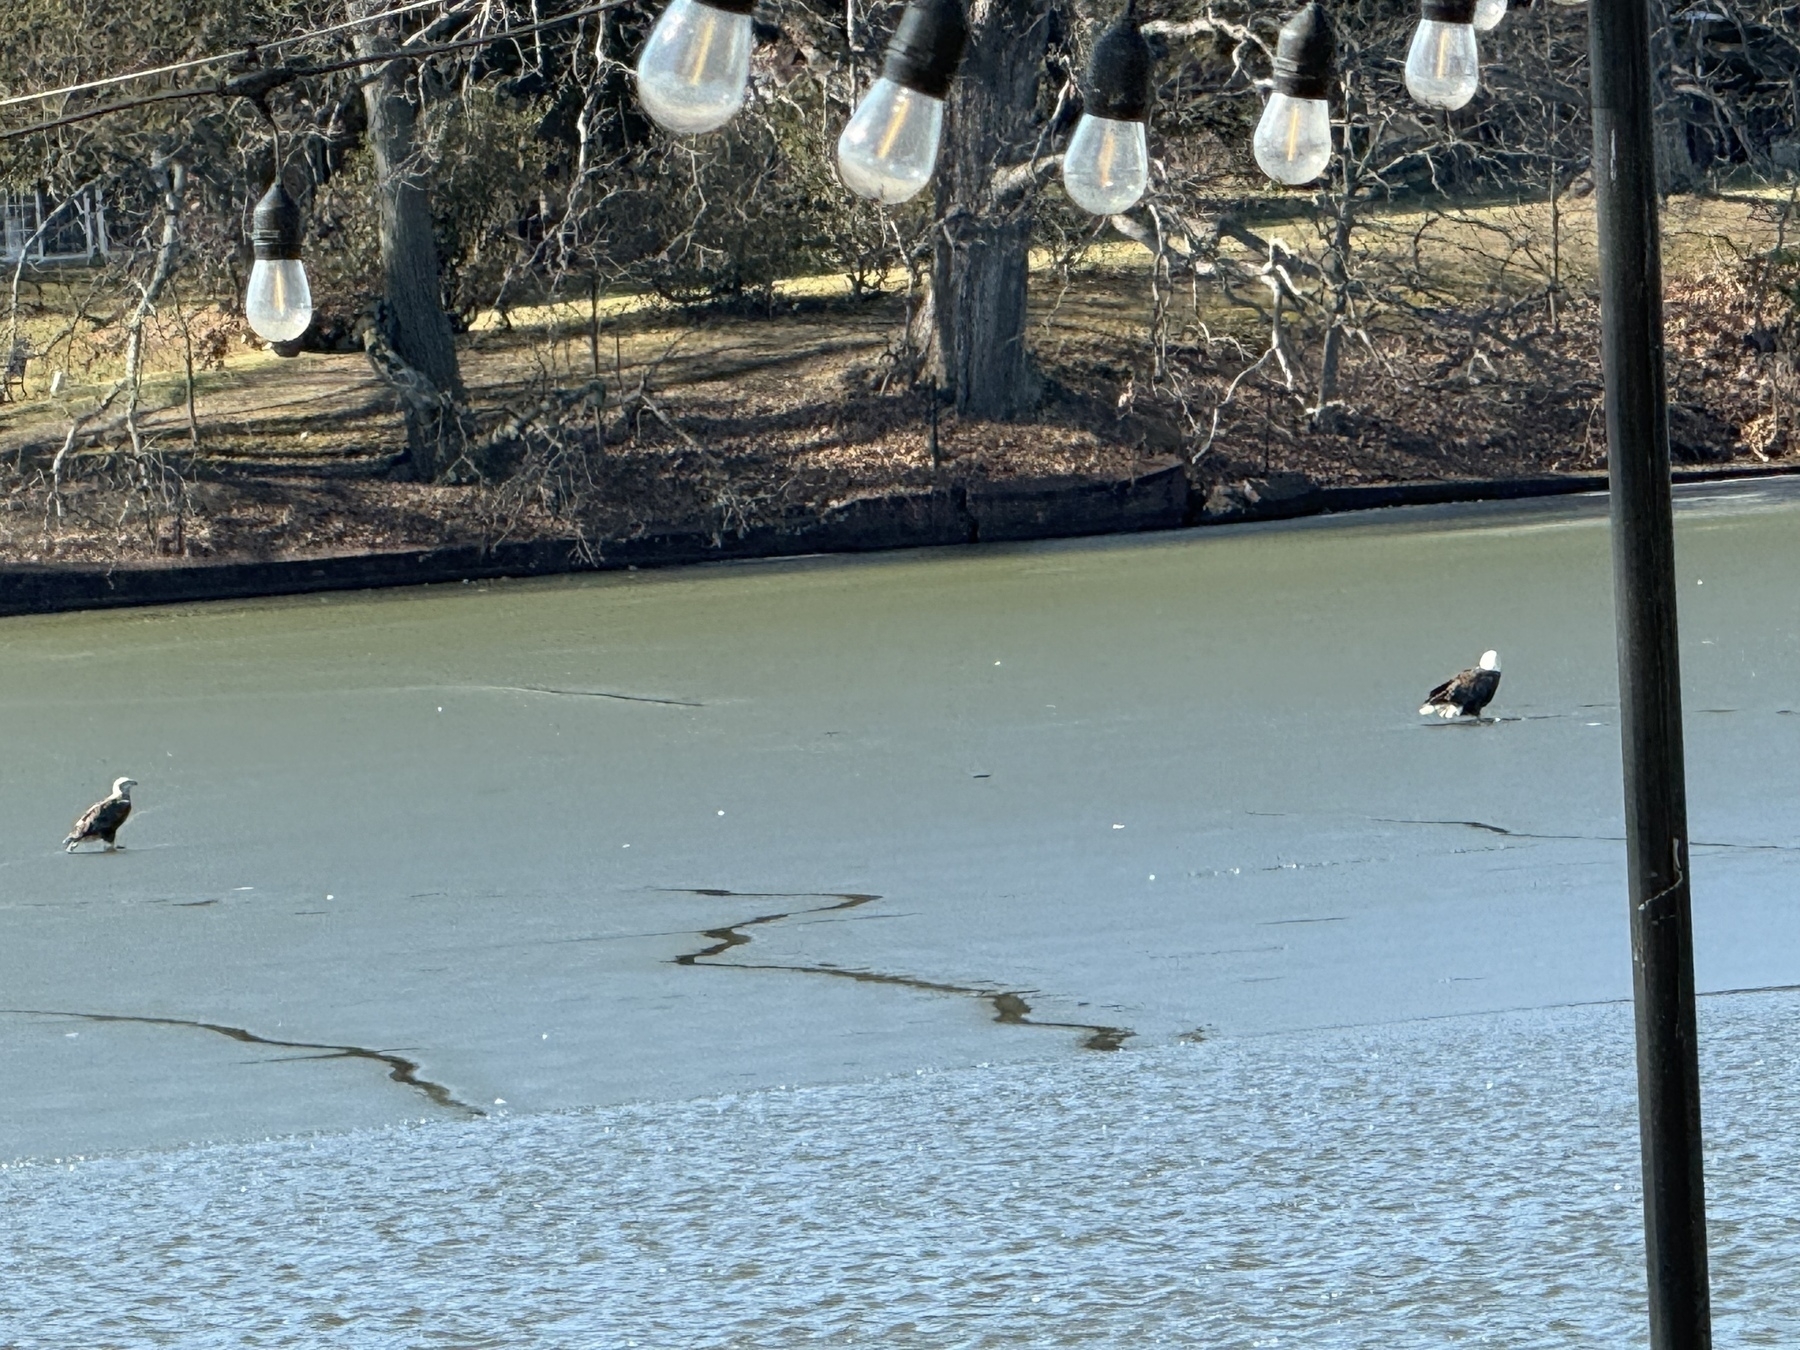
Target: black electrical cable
[
  {"x": 257, "y": 84},
  {"x": 238, "y": 55}
]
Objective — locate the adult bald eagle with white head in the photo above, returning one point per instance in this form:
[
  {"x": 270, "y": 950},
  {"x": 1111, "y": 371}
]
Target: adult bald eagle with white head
[
  {"x": 102, "y": 820},
  {"x": 1467, "y": 692}
]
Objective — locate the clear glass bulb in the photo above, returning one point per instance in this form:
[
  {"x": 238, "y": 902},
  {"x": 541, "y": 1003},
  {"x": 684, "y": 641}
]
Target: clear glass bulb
[
  {"x": 1107, "y": 166},
  {"x": 1443, "y": 65},
  {"x": 890, "y": 146},
  {"x": 1293, "y": 140},
  {"x": 278, "y": 302},
  {"x": 1488, "y": 14},
  {"x": 695, "y": 67}
]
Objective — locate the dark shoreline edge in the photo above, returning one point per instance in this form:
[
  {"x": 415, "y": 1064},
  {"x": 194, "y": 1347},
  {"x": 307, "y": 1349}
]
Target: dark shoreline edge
[{"x": 1050, "y": 509}]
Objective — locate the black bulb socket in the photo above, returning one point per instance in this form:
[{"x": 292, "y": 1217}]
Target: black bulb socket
[
  {"x": 276, "y": 226},
  {"x": 927, "y": 47},
  {"x": 1118, "y": 72},
  {"x": 1448, "y": 11},
  {"x": 1306, "y": 54}
]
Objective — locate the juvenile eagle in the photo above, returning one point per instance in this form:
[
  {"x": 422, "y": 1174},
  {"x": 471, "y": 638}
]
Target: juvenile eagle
[
  {"x": 1467, "y": 692},
  {"x": 102, "y": 819}
]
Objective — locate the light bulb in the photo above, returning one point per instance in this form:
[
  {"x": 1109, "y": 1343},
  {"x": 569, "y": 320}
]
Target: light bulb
[
  {"x": 1443, "y": 65},
  {"x": 278, "y": 303},
  {"x": 1488, "y": 14},
  {"x": 1293, "y": 139},
  {"x": 1107, "y": 165},
  {"x": 890, "y": 145},
  {"x": 695, "y": 67}
]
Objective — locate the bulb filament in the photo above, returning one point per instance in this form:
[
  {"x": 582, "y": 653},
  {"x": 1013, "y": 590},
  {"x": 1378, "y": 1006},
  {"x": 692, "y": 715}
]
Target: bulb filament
[
  {"x": 895, "y": 122},
  {"x": 702, "y": 49}
]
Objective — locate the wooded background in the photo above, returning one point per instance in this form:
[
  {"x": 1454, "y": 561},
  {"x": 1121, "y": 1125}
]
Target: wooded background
[{"x": 1430, "y": 301}]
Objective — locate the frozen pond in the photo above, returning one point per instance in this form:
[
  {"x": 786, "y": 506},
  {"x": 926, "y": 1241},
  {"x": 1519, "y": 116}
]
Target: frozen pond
[
  {"x": 1463, "y": 1182},
  {"x": 480, "y": 851}
]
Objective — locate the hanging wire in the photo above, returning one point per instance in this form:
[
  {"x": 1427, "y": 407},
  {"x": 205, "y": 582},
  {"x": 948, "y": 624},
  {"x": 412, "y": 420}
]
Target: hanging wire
[
  {"x": 199, "y": 61},
  {"x": 258, "y": 83},
  {"x": 277, "y": 156}
]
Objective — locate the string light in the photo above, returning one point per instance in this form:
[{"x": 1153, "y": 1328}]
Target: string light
[
  {"x": 278, "y": 300},
  {"x": 1107, "y": 165},
  {"x": 890, "y": 145},
  {"x": 1293, "y": 139},
  {"x": 1443, "y": 65},
  {"x": 695, "y": 68},
  {"x": 693, "y": 76}
]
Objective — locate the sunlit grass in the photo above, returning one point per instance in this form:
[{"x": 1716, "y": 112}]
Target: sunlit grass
[{"x": 1099, "y": 300}]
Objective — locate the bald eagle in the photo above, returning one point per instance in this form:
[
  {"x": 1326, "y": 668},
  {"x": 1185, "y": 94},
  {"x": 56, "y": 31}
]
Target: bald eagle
[
  {"x": 102, "y": 819},
  {"x": 1467, "y": 692}
]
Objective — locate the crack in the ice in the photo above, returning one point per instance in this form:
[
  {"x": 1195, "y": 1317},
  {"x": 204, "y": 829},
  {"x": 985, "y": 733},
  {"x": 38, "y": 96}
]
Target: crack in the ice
[
  {"x": 593, "y": 693},
  {"x": 1009, "y": 1005},
  {"x": 1584, "y": 838},
  {"x": 1476, "y": 825},
  {"x": 1751, "y": 989},
  {"x": 1219, "y": 951},
  {"x": 400, "y": 1069}
]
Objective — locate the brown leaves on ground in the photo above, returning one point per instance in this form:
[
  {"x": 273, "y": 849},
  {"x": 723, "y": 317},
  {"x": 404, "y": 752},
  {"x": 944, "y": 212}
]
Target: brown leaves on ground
[
  {"x": 778, "y": 419},
  {"x": 1478, "y": 399}
]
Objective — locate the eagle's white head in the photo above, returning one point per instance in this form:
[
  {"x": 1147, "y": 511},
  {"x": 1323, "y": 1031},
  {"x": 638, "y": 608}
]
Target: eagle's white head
[
  {"x": 122, "y": 786},
  {"x": 1490, "y": 660}
]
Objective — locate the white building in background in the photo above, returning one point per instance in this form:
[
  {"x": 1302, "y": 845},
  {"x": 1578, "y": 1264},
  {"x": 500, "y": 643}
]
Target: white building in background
[{"x": 47, "y": 232}]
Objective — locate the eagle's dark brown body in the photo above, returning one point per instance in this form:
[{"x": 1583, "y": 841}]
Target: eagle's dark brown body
[
  {"x": 1467, "y": 692},
  {"x": 102, "y": 820}
]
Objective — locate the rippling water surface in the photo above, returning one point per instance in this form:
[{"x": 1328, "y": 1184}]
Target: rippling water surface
[{"x": 1465, "y": 1182}]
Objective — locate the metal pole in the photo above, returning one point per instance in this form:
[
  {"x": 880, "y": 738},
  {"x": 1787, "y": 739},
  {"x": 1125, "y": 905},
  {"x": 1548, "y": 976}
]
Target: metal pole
[{"x": 1656, "y": 839}]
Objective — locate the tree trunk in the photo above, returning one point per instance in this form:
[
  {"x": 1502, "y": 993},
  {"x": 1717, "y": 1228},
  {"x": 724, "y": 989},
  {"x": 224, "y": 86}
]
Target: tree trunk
[
  {"x": 413, "y": 320},
  {"x": 1327, "y": 415},
  {"x": 981, "y": 259},
  {"x": 1671, "y": 44},
  {"x": 174, "y": 187}
]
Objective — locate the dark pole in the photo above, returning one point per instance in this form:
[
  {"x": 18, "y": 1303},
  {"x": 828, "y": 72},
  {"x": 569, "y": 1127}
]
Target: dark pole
[{"x": 1656, "y": 840}]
